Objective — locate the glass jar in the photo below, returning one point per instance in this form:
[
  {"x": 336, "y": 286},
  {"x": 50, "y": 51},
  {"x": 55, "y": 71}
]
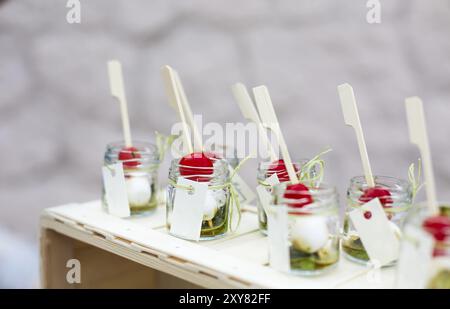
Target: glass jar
[
  {"x": 140, "y": 166},
  {"x": 265, "y": 170},
  {"x": 313, "y": 237},
  {"x": 217, "y": 206},
  {"x": 395, "y": 196},
  {"x": 438, "y": 274}
]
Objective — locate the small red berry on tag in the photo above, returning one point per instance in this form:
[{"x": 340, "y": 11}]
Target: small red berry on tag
[
  {"x": 130, "y": 156},
  {"x": 279, "y": 167},
  {"x": 300, "y": 193},
  {"x": 438, "y": 226},
  {"x": 367, "y": 215},
  {"x": 196, "y": 166}
]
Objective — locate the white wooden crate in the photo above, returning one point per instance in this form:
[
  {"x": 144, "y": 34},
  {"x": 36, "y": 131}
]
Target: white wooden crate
[{"x": 139, "y": 252}]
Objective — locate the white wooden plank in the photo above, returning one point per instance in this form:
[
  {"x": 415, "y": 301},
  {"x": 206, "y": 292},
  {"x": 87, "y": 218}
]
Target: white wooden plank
[
  {"x": 372, "y": 279},
  {"x": 232, "y": 260},
  {"x": 199, "y": 278},
  {"x": 172, "y": 246},
  {"x": 251, "y": 247}
]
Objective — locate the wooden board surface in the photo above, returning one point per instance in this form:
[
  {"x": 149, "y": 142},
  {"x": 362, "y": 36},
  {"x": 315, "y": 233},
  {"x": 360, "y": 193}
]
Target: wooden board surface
[{"x": 237, "y": 260}]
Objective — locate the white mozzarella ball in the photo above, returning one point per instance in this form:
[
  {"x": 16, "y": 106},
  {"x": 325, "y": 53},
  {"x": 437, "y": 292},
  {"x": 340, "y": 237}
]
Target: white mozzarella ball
[
  {"x": 210, "y": 206},
  {"x": 139, "y": 191},
  {"x": 309, "y": 233}
]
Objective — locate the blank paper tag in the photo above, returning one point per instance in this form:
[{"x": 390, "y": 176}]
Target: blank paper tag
[
  {"x": 264, "y": 196},
  {"x": 116, "y": 190},
  {"x": 246, "y": 195},
  {"x": 376, "y": 233},
  {"x": 277, "y": 232},
  {"x": 187, "y": 214},
  {"x": 415, "y": 258}
]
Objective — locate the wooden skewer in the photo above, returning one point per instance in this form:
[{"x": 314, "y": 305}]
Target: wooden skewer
[
  {"x": 169, "y": 77},
  {"x": 418, "y": 135},
  {"x": 250, "y": 113},
  {"x": 118, "y": 92},
  {"x": 269, "y": 118},
  {"x": 351, "y": 118},
  {"x": 198, "y": 144}
]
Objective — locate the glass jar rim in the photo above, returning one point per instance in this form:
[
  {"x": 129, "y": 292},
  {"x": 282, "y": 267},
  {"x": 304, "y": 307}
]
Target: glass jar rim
[
  {"x": 322, "y": 189},
  {"x": 398, "y": 188},
  {"x": 176, "y": 162},
  {"x": 149, "y": 153},
  {"x": 218, "y": 170},
  {"x": 265, "y": 165},
  {"x": 361, "y": 179},
  {"x": 324, "y": 198},
  {"x": 441, "y": 204},
  {"x": 443, "y": 207},
  {"x": 265, "y": 170}
]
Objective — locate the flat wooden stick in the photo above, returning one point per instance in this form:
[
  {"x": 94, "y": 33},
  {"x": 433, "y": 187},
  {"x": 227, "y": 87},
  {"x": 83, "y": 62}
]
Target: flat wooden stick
[
  {"x": 250, "y": 113},
  {"x": 418, "y": 135},
  {"x": 269, "y": 118},
  {"x": 351, "y": 118},
  {"x": 118, "y": 92},
  {"x": 198, "y": 144},
  {"x": 169, "y": 78}
]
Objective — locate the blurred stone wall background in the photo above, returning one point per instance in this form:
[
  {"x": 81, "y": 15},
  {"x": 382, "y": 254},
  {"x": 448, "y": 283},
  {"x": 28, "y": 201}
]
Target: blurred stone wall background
[{"x": 56, "y": 114}]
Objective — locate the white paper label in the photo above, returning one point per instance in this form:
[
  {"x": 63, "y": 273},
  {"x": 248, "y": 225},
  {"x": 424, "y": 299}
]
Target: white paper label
[
  {"x": 376, "y": 233},
  {"x": 415, "y": 258},
  {"x": 246, "y": 194},
  {"x": 115, "y": 190},
  {"x": 187, "y": 214},
  {"x": 278, "y": 232},
  {"x": 264, "y": 196}
]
